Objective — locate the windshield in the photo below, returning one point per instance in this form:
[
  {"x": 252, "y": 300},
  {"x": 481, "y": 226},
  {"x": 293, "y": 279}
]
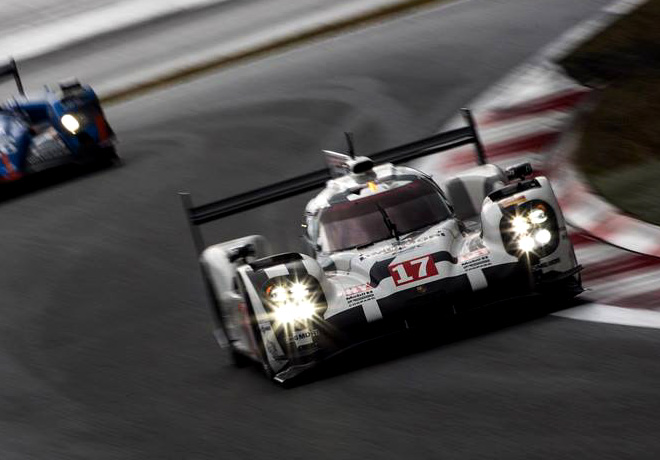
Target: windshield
[{"x": 362, "y": 222}]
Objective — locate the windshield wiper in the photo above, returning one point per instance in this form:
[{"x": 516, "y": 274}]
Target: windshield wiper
[{"x": 391, "y": 226}]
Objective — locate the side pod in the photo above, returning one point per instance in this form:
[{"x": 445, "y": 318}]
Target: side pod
[{"x": 219, "y": 264}]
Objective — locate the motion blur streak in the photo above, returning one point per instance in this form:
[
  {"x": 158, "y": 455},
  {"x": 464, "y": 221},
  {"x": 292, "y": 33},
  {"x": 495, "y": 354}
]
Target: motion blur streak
[{"x": 105, "y": 349}]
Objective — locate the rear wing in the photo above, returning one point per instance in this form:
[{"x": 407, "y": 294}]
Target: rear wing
[
  {"x": 202, "y": 214},
  {"x": 11, "y": 70}
]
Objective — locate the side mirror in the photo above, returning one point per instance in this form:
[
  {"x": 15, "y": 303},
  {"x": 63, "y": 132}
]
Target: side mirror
[
  {"x": 241, "y": 252},
  {"x": 518, "y": 171}
]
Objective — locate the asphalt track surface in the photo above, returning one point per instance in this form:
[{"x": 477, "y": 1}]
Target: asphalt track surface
[{"x": 105, "y": 344}]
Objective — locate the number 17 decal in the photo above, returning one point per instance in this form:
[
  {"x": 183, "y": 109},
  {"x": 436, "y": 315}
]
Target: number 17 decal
[{"x": 413, "y": 270}]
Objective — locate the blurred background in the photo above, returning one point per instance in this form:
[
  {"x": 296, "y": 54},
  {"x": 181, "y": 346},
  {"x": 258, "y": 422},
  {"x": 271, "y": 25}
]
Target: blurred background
[{"x": 106, "y": 350}]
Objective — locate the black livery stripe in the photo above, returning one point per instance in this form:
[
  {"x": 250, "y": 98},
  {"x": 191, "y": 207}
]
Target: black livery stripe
[
  {"x": 276, "y": 259},
  {"x": 437, "y": 297},
  {"x": 348, "y": 318},
  {"x": 351, "y": 327},
  {"x": 259, "y": 277},
  {"x": 450, "y": 295},
  {"x": 507, "y": 279}
]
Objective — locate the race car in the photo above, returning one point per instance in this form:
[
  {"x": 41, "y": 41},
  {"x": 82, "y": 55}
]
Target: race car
[
  {"x": 389, "y": 249},
  {"x": 54, "y": 129}
]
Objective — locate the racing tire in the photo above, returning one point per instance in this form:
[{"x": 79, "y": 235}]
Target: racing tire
[
  {"x": 238, "y": 359},
  {"x": 263, "y": 360},
  {"x": 109, "y": 155}
]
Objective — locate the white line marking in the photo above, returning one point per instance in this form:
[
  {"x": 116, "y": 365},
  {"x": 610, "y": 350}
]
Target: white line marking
[
  {"x": 634, "y": 282},
  {"x": 593, "y": 254},
  {"x": 600, "y": 313}
]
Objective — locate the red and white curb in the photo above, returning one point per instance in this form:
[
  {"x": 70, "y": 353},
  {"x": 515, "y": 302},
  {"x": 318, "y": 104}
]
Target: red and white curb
[
  {"x": 612, "y": 275},
  {"x": 529, "y": 116}
]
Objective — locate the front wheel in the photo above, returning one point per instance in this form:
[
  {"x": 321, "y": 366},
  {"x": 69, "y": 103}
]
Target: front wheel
[
  {"x": 238, "y": 359},
  {"x": 263, "y": 357},
  {"x": 109, "y": 155}
]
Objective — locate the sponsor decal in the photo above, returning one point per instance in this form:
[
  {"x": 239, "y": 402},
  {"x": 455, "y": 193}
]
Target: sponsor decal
[
  {"x": 513, "y": 201},
  {"x": 45, "y": 147},
  {"x": 388, "y": 250},
  {"x": 403, "y": 246},
  {"x": 413, "y": 270},
  {"x": 306, "y": 337},
  {"x": 473, "y": 254},
  {"x": 357, "y": 289},
  {"x": 475, "y": 263},
  {"x": 359, "y": 294}
]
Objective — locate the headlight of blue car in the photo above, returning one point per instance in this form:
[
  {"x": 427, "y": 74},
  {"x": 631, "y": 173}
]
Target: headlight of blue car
[{"x": 71, "y": 123}]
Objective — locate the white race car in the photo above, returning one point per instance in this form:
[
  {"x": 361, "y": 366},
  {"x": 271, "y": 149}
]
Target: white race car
[{"x": 389, "y": 249}]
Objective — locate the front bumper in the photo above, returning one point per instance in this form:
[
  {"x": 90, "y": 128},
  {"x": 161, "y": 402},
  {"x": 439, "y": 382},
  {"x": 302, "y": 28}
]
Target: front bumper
[{"x": 441, "y": 302}]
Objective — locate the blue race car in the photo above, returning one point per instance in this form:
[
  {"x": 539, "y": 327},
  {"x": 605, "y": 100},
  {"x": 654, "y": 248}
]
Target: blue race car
[{"x": 54, "y": 129}]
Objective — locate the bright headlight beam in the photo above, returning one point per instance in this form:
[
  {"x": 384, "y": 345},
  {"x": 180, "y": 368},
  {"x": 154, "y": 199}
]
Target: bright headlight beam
[
  {"x": 538, "y": 216},
  {"x": 70, "y": 123},
  {"x": 299, "y": 292},
  {"x": 285, "y": 314},
  {"x": 305, "y": 310},
  {"x": 279, "y": 294},
  {"x": 526, "y": 243},
  {"x": 520, "y": 225},
  {"x": 291, "y": 302},
  {"x": 288, "y": 313},
  {"x": 543, "y": 236}
]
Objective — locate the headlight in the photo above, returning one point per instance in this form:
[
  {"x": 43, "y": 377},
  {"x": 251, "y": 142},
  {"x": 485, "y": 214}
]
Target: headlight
[
  {"x": 70, "y": 123},
  {"x": 543, "y": 236},
  {"x": 530, "y": 228},
  {"x": 290, "y": 313},
  {"x": 291, "y": 302},
  {"x": 299, "y": 292},
  {"x": 520, "y": 225},
  {"x": 526, "y": 243},
  {"x": 538, "y": 215}
]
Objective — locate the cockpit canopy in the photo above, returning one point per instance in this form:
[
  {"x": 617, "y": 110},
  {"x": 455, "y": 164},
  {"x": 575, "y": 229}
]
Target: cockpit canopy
[{"x": 366, "y": 220}]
